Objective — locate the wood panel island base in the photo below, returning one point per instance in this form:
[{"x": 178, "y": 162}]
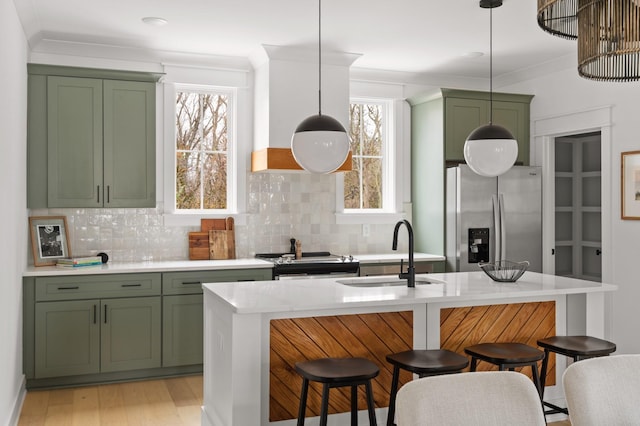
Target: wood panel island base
[{"x": 256, "y": 331}]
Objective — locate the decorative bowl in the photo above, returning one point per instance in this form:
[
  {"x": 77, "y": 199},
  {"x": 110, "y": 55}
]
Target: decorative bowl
[{"x": 505, "y": 271}]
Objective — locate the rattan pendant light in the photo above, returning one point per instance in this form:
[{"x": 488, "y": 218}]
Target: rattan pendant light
[
  {"x": 320, "y": 144},
  {"x": 609, "y": 40},
  {"x": 490, "y": 150},
  {"x": 608, "y": 34},
  {"x": 559, "y": 17}
]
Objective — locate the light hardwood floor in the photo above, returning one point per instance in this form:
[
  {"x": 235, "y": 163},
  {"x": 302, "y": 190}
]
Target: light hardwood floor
[{"x": 170, "y": 402}]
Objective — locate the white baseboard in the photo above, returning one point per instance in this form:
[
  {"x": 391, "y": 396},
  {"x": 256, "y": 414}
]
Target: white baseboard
[{"x": 17, "y": 405}]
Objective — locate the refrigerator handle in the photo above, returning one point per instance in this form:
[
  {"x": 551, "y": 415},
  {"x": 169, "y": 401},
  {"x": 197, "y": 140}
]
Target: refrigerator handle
[
  {"x": 503, "y": 231},
  {"x": 497, "y": 228}
]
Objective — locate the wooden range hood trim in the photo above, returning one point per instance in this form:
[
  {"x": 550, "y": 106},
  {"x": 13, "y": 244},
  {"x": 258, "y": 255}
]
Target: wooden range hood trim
[{"x": 282, "y": 159}]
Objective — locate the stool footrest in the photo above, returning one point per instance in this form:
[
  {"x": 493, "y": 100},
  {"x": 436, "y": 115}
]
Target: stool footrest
[{"x": 554, "y": 409}]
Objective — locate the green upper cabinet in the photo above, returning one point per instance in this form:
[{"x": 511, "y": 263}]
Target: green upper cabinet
[
  {"x": 465, "y": 110},
  {"x": 440, "y": 124},
  {"x": 91, "y": 138},
  {"x": 74, "y": 148}
]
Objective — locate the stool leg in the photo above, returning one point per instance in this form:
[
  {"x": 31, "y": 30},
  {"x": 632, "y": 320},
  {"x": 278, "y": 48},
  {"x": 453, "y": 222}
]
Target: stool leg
[
  {"x": 536, "y": 378},
  {"x": 392, "y": 397},
  {"x": 543, "y": 372},
  {"x": 303, "y": 402},
  {"x": 370, "y": 404},
  {"x": 474, "y": 361},
  {"x": 354, "y": 406},
  {"x": 324, "y": 406}
]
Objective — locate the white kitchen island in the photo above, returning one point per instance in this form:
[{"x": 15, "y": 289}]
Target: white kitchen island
[{"x": 238, "y": 317}]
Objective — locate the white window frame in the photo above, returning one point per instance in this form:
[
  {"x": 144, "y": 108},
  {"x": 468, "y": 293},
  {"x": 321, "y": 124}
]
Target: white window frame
[
  {"x": 231, "y": 94},
  {"x": 388, "y": 177},
  {"x": 234, "y": 82},
  {"x": 391, "y": 210}
]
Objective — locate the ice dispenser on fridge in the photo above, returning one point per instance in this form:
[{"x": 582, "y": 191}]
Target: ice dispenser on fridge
[{"x": 478, "y": 245}]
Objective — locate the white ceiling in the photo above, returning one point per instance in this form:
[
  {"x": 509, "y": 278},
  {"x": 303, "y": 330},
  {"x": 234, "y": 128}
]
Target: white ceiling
[{"x": 422, "y": 37}]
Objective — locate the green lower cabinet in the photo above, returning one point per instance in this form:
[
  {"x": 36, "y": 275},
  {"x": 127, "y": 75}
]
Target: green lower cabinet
[
  {"x": 93, "y": 336},
  {"x": 130, "y": 334},
  {"x": 67, "y": 338},
  {"x": 182, "y": 329}
]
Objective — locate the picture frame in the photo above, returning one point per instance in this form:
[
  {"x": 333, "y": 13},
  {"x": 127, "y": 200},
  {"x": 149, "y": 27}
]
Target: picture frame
[
  {"x": 49, "y": 239},
  {"x": 630, "y": 185}
]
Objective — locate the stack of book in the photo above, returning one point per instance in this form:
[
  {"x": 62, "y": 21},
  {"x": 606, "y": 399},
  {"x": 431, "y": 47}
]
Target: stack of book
[{"x": 79, "y": 262}]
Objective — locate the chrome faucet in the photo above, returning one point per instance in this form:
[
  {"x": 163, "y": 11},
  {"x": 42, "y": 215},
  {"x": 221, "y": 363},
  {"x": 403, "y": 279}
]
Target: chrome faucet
[{"x": 410, "y": 275}]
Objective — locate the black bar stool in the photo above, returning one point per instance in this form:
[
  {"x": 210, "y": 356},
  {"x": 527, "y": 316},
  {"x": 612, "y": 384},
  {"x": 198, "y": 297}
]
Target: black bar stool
[
  {"x": 575, "y": 347},
  {"x": 427, "y": 362},
  {"x": 335, "y": 373},
  {"x": 507, "y": 356}
]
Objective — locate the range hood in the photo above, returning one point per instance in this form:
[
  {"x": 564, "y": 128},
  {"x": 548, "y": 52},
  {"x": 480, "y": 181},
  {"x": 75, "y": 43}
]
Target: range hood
[{"x": 286, "y": 92}]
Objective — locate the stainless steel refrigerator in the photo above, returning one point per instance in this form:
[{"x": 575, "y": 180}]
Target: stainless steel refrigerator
[{"x": 491, "y": 219}]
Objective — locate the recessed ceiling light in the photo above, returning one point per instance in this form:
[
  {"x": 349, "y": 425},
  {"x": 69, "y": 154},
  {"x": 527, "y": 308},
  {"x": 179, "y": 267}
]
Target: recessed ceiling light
[
  {"x": 472, "y": 54},
  {"x": 155, "y": 21}
]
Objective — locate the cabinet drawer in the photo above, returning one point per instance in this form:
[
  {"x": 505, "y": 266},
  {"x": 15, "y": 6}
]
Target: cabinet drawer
[
  {"x": 191, "y": 282},
  {"x": 97, "y": 286}
]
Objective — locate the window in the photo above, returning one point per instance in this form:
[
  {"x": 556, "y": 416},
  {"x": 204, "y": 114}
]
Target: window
[
  {"x": 202, "y": 149},
  {"x": 367, "y": 187}
]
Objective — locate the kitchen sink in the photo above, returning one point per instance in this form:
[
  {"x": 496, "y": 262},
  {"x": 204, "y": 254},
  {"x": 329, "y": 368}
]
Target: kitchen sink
[{"x": 385, "y": 281}]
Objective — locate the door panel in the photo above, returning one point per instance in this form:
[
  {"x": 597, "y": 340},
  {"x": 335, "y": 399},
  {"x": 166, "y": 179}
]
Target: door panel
[
  {"x": 131, "y": 333},
  {"x": 74, "y": 120},
  {"x": 182, "y": 330},
  {"x": 522, "y": 192},
  {"x": 67, "y": 338}
]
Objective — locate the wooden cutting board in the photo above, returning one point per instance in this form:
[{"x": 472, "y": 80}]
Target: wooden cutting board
[
  {"x": 207, "y": 225},
  {"x": 198, "y": 245},
  {"x": 222, "y": 242}
]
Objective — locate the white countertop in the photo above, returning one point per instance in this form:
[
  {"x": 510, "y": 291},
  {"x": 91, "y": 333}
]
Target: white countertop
[
  {"x": 202, "y": 265},
  {"x": 320, "y": 294},
  {"x": 395, "y": 257},
  {"x": 165, "y": 266}
]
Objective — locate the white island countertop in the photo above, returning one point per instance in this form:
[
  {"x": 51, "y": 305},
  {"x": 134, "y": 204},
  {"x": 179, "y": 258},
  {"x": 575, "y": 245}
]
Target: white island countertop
[
  {"x": 320, "y": 294},
  {"x": 239, "y": 317}
]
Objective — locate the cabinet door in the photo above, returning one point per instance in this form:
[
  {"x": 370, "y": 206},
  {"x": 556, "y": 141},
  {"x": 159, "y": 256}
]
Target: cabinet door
[
  {"x": 74, "y": 129},
  {"x": 514, "y": 116},
  {"x": 67, "y": 338},
  {"x": 129, "y": 144},
  {"x": 130, "y": 333},
  {"x": 462, "y": 116},
  {"x": 182, "y": 330}
]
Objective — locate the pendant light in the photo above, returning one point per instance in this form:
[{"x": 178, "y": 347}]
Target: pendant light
[
  {"x": 608, "y": 34},
  {"x": 490, "y": 150},
  {"x": 320, "y": 143},
  {"x": 559, "y": 17}
]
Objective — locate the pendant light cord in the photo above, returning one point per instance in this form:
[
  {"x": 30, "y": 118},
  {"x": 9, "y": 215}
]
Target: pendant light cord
[
  {"x": 319, "y": 57},
  {"x": 491, "y": 66}
]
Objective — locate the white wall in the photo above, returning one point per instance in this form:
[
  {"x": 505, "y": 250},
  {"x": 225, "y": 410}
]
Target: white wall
[
  {"x": 564, "y": 92},
  {"x": 13, "y": 125}
]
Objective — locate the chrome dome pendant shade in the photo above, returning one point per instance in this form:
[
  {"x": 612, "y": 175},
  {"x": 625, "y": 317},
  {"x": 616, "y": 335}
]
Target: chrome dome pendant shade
[
  {"x": 320, "y": 144},
  {"x": 490, "y": 150}
]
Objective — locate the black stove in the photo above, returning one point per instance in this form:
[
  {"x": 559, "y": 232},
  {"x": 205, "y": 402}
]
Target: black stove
[{"x": 310, "y": 264}]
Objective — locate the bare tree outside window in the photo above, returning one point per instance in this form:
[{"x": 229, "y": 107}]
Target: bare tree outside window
[
  {"x": 363, "y": 185},
  {"x": 201, "y": 150}
]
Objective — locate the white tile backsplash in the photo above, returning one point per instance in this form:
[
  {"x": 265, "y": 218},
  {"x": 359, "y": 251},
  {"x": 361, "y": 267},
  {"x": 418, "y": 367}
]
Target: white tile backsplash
[{"x": 280, "y": 206}]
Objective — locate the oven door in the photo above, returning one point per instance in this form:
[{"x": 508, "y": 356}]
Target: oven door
[{"x": 315, "y": 276}]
